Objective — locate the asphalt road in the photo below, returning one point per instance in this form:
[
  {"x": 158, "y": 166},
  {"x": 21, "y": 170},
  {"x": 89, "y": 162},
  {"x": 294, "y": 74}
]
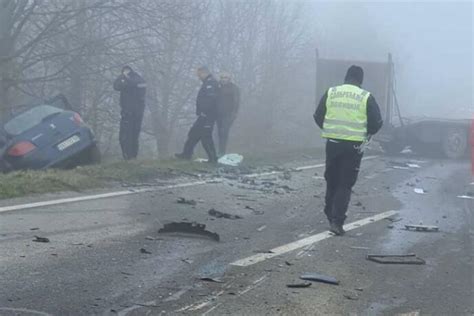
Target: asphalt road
[{"x": 105, "y": 256}]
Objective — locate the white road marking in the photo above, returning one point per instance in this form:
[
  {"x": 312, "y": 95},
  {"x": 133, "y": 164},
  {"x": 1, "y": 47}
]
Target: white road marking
[
  {"x": 24, "y": 310},
  {"x": 466, "y": 197},
  {"x": 307, "y": 241},
  {"x": 95, "y": 197},
  {"x": 137, "y": 191}
]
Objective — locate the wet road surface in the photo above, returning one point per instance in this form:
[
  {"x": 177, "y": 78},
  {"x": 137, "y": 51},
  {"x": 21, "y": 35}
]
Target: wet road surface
[{"x": 105, "y": 256}]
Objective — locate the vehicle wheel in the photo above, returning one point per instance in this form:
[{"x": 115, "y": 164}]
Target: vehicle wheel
[
  {"x": 392, "y": 148},
  {"x": 93, "y": 155},
  {"x": 454, "y": 142}
]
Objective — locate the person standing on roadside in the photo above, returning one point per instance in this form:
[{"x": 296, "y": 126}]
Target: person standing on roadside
[
  {"x": 348, "y": 116},
  {"x": 206, "y": 111},
  {"x": 132, "y": 90}
]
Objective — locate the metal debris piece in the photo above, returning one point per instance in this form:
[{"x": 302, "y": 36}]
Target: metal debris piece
[
  {"x": 319, "y": 278},
  {"x": 189, "y": 228},
  {"x": 413, "y": 165},
  {"x": 210, "y": 279},
  {"x": 41, "y": 239},
  {"x": 261, "y": 228},
  {"x": 218, "y": 214},
  {"x": 182, "y": 200},
  {"x": 256, "y": 212},
  {"x": 410, "y": 258},
  {"x": 288, "y": 263},
  {"x": 143, "y": 250},
  {"x": 299, "y": 285},
  {"x": 422, "y": 228},
  {"x": 34, "y": 228}
]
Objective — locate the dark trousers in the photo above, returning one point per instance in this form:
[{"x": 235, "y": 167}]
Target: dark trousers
[
  {"x": 130, "y": 127},
  {"x": 224, "y": 123},
  {"x": 201, "y": 131},
  {"x": 342, "y": 169}
]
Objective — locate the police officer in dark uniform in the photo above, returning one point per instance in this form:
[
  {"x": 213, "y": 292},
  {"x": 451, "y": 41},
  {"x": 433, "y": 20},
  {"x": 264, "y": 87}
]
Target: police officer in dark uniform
[
  {"x": 206, "y": 110},
  {"x": 348, "y": 116},
  {"x": 132, "y": 90}
]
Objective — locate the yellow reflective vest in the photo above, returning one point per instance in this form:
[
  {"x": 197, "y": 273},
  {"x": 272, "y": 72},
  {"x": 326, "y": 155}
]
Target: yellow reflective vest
[{"x": 346, "y": 113}]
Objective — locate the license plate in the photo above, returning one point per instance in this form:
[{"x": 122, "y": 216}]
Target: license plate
[{"x": 68, "y": 142}]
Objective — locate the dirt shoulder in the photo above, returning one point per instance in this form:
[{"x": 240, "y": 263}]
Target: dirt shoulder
[{"x": 134, "y": 173}]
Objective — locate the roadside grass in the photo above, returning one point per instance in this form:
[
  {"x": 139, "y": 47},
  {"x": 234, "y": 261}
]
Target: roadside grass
[{"x": 24, "y": 183}]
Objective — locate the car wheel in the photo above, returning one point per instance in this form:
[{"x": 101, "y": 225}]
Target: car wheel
[{"x": 454, "y": 142}]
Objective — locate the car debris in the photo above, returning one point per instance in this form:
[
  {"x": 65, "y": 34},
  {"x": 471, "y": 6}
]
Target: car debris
[
  {"x": 218, "y": 214},
  {"x": 359, "y": 248},
  {"x": 144, "y": 251},
  {"x": 34, "y": 228},
  {"x": 182, "y": 200},
  {"x": 188, "y": 228},
  {"x": 413, "y": 165},
  {"x": 419, "y": 191},
  {"x": 261, "y": 228},
  {"x": 288, "y": 263},
  {"x": 351, "y": 297},
  {"x": 41, "y": 239},
  {"x": 211, "y": 279},
  {"x": 188, "y": 261},
  {"x": 299, "y": 285},
  {"x": 319, "y": 278},
  {"x": 424, "y": 228},
  {"x": 410, "y": 258}
]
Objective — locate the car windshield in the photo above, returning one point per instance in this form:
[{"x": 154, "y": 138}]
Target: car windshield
[{"x": 29, "y": 119}]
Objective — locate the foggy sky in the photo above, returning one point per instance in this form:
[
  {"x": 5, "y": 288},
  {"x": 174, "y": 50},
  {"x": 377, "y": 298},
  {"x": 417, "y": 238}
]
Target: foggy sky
[{"x": 431, "y": 43}]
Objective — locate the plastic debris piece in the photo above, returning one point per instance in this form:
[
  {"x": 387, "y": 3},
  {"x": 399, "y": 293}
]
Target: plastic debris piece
[
  {"x": 218, "y": 214},
  {"x": 299, "y": 285},
  {"x": 188, "y": 228},
  {"x": 419, "y": 191},
  {"x": 424, "y": 228},
  {"x": 41, "y": 239},
  {"x": 232, "y": 160},
  {"x": 396, "y": 259},
  {"x": 182, "y": 200},
  {"x": 319, "y": 278}
]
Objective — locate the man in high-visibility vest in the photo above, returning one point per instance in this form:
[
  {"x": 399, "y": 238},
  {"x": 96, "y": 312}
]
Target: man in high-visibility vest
[{"x": 348, "y": 116}]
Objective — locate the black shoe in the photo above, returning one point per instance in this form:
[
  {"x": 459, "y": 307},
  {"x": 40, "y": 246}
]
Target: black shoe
[
  {"x": 182, "y": 156},
  {"x": 337, "y": 229}
]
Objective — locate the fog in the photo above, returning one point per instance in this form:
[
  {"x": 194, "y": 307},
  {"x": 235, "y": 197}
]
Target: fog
[
  {"x": 78, "y": 49},
  {"x": 431, "y": 43}
]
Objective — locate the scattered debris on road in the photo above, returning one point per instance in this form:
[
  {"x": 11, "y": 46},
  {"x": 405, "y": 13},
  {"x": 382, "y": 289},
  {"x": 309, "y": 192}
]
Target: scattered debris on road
[
  {"x": 182, "y": 200},
  {"x": 188, "y": 228},
  {"x": 419, "y": 191},
  {"x": 299, "y": 285},
  {"x": 319, "y": 278},
  {"x": 413, "y": 165},
  {"x": 351, "y": 296},
  {"x": 41, "y": 239},
  {"x": 422, "y": 228},
  {"x": 288, "y": 263},
  {"x": 188, "y": 261},
  {"x": 144, "y": 251},
  {"x": 218, "y": 214},
  {"x": 34, "y": 228},
  {"x": 410, "y": 258},
  {"x": 261, "y": 228}
]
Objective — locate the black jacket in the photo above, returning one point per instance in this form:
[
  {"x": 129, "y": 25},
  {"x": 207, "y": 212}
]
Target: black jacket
[
  {"x": 228, "y": 100},
  {"x": 374, "y": 119},
  {"x": 206, "y": 101},
  {"x": 132, "y": 91}
]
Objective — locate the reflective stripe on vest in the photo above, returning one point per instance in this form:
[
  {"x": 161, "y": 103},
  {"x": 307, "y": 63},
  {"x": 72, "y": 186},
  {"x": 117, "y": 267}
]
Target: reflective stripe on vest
[{"x": 346, "y": 113}]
